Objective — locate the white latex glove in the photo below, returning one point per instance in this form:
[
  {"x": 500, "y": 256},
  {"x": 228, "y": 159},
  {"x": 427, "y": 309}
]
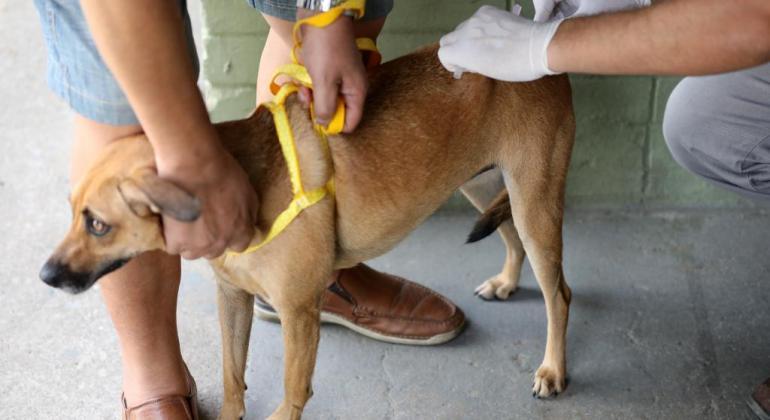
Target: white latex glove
[
  {"x": 546, "y": 10},
  {"x": 498, "y": 44}
]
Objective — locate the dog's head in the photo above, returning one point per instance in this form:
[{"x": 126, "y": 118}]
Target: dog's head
[{"x": 116, "y": 212}]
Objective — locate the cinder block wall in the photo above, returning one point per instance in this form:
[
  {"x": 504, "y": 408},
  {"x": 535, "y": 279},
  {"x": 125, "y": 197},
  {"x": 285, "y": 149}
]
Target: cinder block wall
[{"x": 620, "y": 159}]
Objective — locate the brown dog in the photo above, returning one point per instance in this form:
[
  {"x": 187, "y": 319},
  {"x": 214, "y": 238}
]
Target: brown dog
[{"x": 425, "y": 134}]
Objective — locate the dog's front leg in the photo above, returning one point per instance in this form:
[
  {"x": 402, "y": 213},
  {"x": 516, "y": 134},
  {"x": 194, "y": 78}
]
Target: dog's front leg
[
  {"x": 235, "y": 314},
  {"x": 301, "y": 323}
]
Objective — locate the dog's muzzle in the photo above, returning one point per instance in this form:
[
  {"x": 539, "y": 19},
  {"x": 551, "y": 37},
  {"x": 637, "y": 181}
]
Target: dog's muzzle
[{"x": 59, "y": 275}]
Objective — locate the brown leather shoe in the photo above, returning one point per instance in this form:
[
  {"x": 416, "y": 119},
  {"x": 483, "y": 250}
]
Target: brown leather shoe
[
  {"x": 385, "y": 307},
  {"x": 168, "y": 407},
  {"x": 760, "y": 401}
]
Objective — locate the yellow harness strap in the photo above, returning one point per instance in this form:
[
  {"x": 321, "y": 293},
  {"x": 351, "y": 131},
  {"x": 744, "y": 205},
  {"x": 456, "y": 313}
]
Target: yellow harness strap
[{"x": 304, "y": 198}]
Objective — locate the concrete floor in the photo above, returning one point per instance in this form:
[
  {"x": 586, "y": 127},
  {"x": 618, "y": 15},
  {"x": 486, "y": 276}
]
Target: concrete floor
[{"x": 669, "y": 316}]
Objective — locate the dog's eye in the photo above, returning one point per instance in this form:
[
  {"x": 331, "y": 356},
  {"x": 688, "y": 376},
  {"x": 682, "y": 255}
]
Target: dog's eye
[{"x": 96, "y": 227}]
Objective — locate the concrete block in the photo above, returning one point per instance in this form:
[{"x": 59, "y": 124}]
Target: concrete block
[
  {"x": 670, "y": 185},
  {"x": 457, "y": 203},
  {"x": 607, "y": 165},
  {"x": 237, "y": 17},
  {"x": 229, "y": 103},
  {"x": 231, "y": 17},
  {"x": 417, "y": 16},
  {"x": 663, "y": 88},
  {"x": 394, "y": 45},
  {"x": 416, "y": 23},
  {"x": 527, "y": 8},
  {"x": 625, "y": 99},
  {"x": 232, "y": 59}
]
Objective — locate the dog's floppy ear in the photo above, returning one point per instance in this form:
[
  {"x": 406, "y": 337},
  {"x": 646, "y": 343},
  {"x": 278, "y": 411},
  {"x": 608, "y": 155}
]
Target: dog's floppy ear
[{"x": 145, "y": 193}]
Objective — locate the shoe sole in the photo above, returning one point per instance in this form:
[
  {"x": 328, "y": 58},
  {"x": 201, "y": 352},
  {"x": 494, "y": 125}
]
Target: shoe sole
[
  {"x": 757, "y": 410},
  {"x": 329, "y": 318}
]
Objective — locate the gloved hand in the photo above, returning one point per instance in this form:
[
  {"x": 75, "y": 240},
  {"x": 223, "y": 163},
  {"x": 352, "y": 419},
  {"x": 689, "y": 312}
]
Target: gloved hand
[
  {"x": 546, "y": 10},
  {"x": 498, "y": 44}
]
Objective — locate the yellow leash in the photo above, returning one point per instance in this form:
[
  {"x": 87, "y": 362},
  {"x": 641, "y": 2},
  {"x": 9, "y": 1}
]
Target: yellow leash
[{"x": 302, "y": 197}]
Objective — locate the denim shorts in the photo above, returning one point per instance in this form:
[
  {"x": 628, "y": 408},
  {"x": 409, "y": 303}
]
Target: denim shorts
[
  {"x": 76, "y": 71},
  {"x": 287, "y": 9}
]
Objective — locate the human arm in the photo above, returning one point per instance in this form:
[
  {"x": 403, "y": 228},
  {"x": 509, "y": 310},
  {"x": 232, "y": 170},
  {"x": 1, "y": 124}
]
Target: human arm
[
  {"x": 143, "y": 44},
  {"x": 681, "y": 37},
  {"x": 672, "y": 37},
  {"x": 546, "y": 10}
]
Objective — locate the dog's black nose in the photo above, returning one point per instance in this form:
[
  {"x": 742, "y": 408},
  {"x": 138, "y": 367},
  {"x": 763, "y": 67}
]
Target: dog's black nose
[
  {"x": 61, "y": 276},
  {"x": 51, "y": 273}
]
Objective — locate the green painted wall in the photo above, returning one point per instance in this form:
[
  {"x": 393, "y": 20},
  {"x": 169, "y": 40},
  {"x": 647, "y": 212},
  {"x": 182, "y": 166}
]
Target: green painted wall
[{"x": 620, "y": 159}]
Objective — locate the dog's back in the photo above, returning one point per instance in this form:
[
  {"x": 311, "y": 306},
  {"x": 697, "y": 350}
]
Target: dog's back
[{"x": 424, "y": 134}]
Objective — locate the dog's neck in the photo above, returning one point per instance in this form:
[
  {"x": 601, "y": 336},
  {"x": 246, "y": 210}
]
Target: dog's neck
[{"x": 253, "y": 143}]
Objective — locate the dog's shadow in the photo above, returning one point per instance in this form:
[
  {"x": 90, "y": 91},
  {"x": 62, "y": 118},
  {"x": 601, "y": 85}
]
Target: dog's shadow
[
  {"x": 207, "y": 411},
  {"x": 522, "y": 294}
]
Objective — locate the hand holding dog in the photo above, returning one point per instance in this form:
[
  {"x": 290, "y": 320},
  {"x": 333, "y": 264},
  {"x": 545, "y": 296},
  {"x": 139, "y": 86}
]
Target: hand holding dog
[
  {"x": 335, "y": 66},
  {"x": 228, "y": 206}
]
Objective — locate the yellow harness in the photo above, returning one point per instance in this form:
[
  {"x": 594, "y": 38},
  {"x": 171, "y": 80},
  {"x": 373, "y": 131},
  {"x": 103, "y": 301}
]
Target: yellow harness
[{"x": 305, "y": 198}]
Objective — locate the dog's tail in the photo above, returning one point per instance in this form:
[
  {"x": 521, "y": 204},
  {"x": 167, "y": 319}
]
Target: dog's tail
[{"x": 497, "y": 213}]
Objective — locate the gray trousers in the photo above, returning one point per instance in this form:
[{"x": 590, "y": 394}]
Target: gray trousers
[{"x": 719, "y": 128}]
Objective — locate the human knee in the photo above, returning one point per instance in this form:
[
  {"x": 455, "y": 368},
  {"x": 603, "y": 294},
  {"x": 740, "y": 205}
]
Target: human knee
[{"x": 682, "y": 125}]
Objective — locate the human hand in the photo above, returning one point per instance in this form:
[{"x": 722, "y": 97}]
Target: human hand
[
  {"x": 546, "y": 10},
  {"x": 336, "y": 69},
  {"x": 499, "y": 44},
  {"x": 228, "y": 204}
]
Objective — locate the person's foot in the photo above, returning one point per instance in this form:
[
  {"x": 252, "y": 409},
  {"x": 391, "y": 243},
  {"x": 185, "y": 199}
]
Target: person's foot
[
  {"x": 171, "y": 407},
  {"x": 760, "y": 401},
  {"x": 384, "y": 307}
]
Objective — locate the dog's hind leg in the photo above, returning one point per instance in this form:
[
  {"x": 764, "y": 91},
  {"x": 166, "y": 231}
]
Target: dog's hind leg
[
  {"x": 235, "y": 314},
  {"x": 540, "y": 228},
  {"x": 481, "y": 191},
  {"x": 536, "y": 189}
]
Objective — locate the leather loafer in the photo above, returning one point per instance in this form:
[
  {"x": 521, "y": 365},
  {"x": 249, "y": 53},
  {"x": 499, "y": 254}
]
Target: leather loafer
[
  {"x": 166, "y": 407},
  {"x": 384, "y": 307},
  {"x": 760, "y": 401}
]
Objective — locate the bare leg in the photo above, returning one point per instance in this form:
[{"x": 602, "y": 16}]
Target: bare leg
[
  {"x": 140, "y": 297},
  {"x": 275, "y": 53},
  {"x": 236, "y": 309},
  {"x": 480, "y": 191}
]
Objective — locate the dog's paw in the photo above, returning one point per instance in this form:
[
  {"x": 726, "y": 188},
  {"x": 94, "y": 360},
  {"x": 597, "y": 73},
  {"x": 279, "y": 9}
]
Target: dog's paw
[
  {"x": 231, "y": 411},
  {"x": 286, "y": 411},
  {"x": 497, "y": 287},
  {"x": 548, "y": 382}
]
